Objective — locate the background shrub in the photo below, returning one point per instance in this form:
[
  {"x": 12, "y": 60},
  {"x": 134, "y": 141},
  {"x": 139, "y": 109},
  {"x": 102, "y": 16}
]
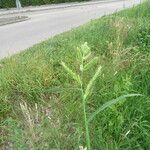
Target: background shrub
[{"x": 11, "y": 3}]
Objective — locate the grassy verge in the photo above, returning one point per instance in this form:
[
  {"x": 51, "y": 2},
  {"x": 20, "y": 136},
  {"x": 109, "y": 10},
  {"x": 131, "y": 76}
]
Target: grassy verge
[{"x": 41, "y": 106}]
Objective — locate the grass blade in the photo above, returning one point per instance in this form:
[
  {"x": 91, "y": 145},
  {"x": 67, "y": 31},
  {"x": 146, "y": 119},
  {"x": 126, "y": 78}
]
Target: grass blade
[{"x": 110, "y": 103}]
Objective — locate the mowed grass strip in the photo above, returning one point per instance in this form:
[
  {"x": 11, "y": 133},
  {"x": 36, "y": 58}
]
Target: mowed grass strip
[{"x": 41, "y": 106}]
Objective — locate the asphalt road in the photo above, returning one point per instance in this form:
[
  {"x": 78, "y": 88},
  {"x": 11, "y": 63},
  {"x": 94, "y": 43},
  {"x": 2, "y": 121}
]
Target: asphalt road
[{"x": 44, "y": 24}]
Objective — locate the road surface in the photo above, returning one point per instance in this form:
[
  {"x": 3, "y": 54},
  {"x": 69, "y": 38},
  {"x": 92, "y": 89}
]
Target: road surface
[{"x": 47, "y": 23}]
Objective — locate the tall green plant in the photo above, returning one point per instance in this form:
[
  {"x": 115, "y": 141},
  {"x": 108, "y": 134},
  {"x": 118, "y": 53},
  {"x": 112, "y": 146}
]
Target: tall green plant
[{"x": 86, "y": 61}]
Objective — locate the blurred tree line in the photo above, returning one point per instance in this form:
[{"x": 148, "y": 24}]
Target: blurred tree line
[{"x": 12, "y": 3}]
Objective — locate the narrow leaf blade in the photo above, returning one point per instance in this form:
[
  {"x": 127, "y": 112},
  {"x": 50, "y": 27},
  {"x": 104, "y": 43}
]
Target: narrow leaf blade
[{"x": 110, "y": 103}]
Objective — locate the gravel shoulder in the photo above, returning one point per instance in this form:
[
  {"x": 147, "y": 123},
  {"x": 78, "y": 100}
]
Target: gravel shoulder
[{"x": 10, "y": 20}]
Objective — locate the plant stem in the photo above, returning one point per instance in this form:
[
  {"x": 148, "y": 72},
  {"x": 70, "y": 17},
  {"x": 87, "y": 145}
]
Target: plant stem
[
  {"x": 84, "y": 110},
  {"x": 85, "y": 120},
  {"x": 86, "y": 125}
]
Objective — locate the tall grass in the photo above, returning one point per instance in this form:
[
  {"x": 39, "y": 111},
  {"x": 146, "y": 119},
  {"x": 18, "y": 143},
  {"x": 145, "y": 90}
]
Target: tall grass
[
  {"x": 43, "y": 105},
  {"x": 83, "y": 54}
]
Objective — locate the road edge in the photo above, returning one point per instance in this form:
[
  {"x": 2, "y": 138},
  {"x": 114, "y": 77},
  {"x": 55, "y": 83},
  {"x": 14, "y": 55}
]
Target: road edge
[{"x": 53, "y": 6}]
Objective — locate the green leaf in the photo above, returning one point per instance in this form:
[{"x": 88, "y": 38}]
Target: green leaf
[
  {"x": 110, "y": 103},
  {"x": 72, "y": 74}
]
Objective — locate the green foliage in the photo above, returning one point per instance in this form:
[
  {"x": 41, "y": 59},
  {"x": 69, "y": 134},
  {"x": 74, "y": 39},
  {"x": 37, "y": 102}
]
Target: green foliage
[
  {"x": 120, "y": 43},
  {"x": 109, "y": 104},
  {"x": 143, "y": 38},
  {"x": 11, "y": 3},
  {"x": 16, "y": 134},
  {"x": 83, "y": 54}
]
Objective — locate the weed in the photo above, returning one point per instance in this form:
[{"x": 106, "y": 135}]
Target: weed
[
  {"x": 35, "y": 79},
  {"x": 83, "y": 55}
]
